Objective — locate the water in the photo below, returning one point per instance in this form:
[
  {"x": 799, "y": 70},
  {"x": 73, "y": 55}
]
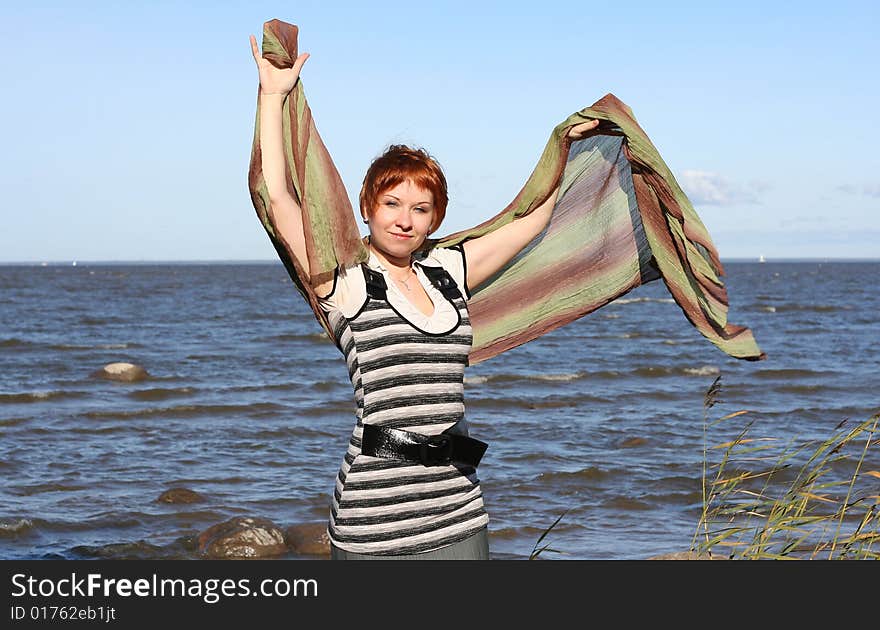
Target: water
[{"x": 250, "y": 405}]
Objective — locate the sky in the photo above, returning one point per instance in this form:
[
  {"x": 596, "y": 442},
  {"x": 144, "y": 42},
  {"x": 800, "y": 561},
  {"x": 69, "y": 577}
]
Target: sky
[{"x": 127, "y": 127}]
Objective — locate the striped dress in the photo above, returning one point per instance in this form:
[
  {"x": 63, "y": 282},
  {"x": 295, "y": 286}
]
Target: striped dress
[{"x": 407, "y": 371}]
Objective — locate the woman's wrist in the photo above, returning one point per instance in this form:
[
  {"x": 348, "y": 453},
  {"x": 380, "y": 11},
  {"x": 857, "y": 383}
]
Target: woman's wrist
[{"x": 281, "y": 94}]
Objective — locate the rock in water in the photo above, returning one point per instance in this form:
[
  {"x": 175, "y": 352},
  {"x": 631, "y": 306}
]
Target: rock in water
[
  {"x": 242, "y": 537},
  {"x": 127, "y": 372},
  {"x": 309, "y": 539},
  {"x": 179, "y": 495}
]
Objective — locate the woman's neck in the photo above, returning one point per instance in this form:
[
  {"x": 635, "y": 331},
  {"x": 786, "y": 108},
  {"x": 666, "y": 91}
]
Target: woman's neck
[{"x": 392, "y": 263}]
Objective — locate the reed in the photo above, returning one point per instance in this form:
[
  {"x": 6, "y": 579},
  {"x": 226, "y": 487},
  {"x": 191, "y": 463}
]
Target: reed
[
  {"x": 810, "y": 499},
  {"x": 537, "y": 551},
  {"x": 765, "y": 500}
]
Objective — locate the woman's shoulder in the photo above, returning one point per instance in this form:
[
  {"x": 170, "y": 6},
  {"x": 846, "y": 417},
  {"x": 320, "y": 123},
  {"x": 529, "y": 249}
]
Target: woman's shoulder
[
  {"x": 452, "y": 259},
  {"x": 347, "y": 293}
]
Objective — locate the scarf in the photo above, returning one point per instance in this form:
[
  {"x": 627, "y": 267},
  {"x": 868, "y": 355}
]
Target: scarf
[{"x": 620, "y": 220}]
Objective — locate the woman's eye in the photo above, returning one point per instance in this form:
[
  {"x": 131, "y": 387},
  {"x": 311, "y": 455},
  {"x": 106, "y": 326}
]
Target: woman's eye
[
  {"x": 420, "y": 210},
  {"x": 390, "y": 203}
]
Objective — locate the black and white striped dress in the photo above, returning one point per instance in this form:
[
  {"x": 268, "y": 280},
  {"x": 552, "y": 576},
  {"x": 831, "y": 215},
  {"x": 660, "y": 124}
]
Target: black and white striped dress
[{"x": 407, "y": 370}]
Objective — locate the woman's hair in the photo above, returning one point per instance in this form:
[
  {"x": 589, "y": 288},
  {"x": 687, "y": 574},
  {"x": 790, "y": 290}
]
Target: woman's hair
[{"x": 398, "y": 164}]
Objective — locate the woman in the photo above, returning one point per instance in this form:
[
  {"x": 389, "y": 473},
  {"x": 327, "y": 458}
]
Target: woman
[{"x": 407, "y": 487}]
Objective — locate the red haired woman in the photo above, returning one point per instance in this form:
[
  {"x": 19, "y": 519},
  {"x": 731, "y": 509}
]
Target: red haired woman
[{"x": 407, "y": 487}]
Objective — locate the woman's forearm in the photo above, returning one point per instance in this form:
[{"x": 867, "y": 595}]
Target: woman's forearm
[
  {"x": 285, "y": 212},
  {"x": 272, "y": 147}
]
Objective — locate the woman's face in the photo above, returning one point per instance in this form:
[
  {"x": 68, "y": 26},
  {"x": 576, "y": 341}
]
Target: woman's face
[{"x": 402, "y": 219}]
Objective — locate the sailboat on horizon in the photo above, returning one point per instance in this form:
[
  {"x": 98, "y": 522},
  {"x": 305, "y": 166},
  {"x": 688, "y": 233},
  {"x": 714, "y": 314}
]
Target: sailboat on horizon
[{"x": 761, "y": 258}]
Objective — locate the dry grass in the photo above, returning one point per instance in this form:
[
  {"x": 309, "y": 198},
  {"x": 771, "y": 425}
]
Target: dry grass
[
  {"x": 803, "y": 500},
  {"x": 768, "y": 501}
]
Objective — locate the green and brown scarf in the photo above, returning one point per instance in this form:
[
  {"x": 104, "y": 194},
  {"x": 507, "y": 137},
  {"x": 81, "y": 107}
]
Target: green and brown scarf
[{"x": 620, "y": 220}]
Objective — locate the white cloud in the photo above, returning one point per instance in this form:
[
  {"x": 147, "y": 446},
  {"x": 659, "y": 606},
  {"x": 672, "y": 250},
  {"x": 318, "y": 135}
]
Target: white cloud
[
  {"x": 713, "y": 189},
  {"x": 869, "y": 190}
]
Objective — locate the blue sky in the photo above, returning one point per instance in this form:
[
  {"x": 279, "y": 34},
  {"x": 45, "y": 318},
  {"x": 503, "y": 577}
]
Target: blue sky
[{"x": 127, "y": 127}]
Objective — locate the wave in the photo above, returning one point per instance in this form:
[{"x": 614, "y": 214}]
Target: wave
[
  {"x": 792, "y": 373},
  {"x": 801, "y": 389},
  {"x": 553, "y": 402},
  {"x": 11, "y": 422},
  {"x": 475, "y": 380},
  {"x": 99, "y": 321},
  {"x": 313, "y": 337},
  {"x": 626, "y": 504},
  {"x": 266, "y": 316},
  {"x": 101, "y": 430},
  {"x": 139, "y": 550},
  {"x": 292, "y": 386},
  {"x": 517, "y": 378},
  {"x": 40, "y": 488},
  {"x": 32, "y": 397},
  {"x": 673, "y": 497},
  {"x": 323, "y": 386},
  {"x": 14, "y": 342},
  {"x": 101, "y": 346},
  {"x": 206, "y": 357},
  {"x": 831, "y": 414},
  {"x": 189, "y": 411},
  {"x": 512, "y": 533},
  {"x": 303, "y": 432},
  {"x": 15, "y": 527},
  {"x": 544, "y": 457},
  {"x": 703, "y": 370},
  {"x": 652, "y": 371},
  {"x": 161, "y": 393},
  {"x": 590, "y": 472},
  {"x": 327, "y": 409},
  {"x": 809, "y": 308}
]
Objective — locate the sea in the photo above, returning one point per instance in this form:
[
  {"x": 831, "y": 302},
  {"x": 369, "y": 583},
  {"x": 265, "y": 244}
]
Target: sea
[{"x": 598, "y": 432}]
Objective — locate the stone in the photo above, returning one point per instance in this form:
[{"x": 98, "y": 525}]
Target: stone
[
  {"x": 179, "y": 495},
  {"x": 242, "y": 537},
  {"x": 309, "y": 539},
  {"x": 126, "y": 372}
]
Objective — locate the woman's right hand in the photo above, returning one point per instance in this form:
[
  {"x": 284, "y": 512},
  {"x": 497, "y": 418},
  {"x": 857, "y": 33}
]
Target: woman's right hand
[{"x": 276, "y": 80}]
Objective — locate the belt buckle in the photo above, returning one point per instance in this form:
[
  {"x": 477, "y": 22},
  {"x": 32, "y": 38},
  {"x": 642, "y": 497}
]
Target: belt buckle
[{"x": 437, "y": 449}]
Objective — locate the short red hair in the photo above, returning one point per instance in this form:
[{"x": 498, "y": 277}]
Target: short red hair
[{"x": 398, "y": 164}]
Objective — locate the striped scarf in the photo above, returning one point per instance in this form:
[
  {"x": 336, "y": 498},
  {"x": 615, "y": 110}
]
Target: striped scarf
[{"x": 620, "y": 221}]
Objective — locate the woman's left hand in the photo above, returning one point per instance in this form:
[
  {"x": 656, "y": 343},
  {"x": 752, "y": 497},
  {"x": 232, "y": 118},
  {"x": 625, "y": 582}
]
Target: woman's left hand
[{"x": 579, "y": 131}]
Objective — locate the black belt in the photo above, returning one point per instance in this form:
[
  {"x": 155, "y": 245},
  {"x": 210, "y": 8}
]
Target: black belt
[{"x": 428, "y": 450}]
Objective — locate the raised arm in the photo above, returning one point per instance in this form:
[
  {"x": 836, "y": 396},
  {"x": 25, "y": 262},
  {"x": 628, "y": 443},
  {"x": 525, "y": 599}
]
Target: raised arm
[
  {"x": 487, "y": 254},
  {"x": 285, "y": 212}
]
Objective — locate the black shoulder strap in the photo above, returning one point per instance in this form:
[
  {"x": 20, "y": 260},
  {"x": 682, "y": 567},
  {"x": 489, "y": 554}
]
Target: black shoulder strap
[
  {"x": 441, "y": 279},
  {"x": 376, "y": 287}
]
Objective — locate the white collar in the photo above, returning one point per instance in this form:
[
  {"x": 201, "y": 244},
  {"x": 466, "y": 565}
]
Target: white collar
[
  {"x": 420, "y": 258},
  {"x": 373, "y": 262}
]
